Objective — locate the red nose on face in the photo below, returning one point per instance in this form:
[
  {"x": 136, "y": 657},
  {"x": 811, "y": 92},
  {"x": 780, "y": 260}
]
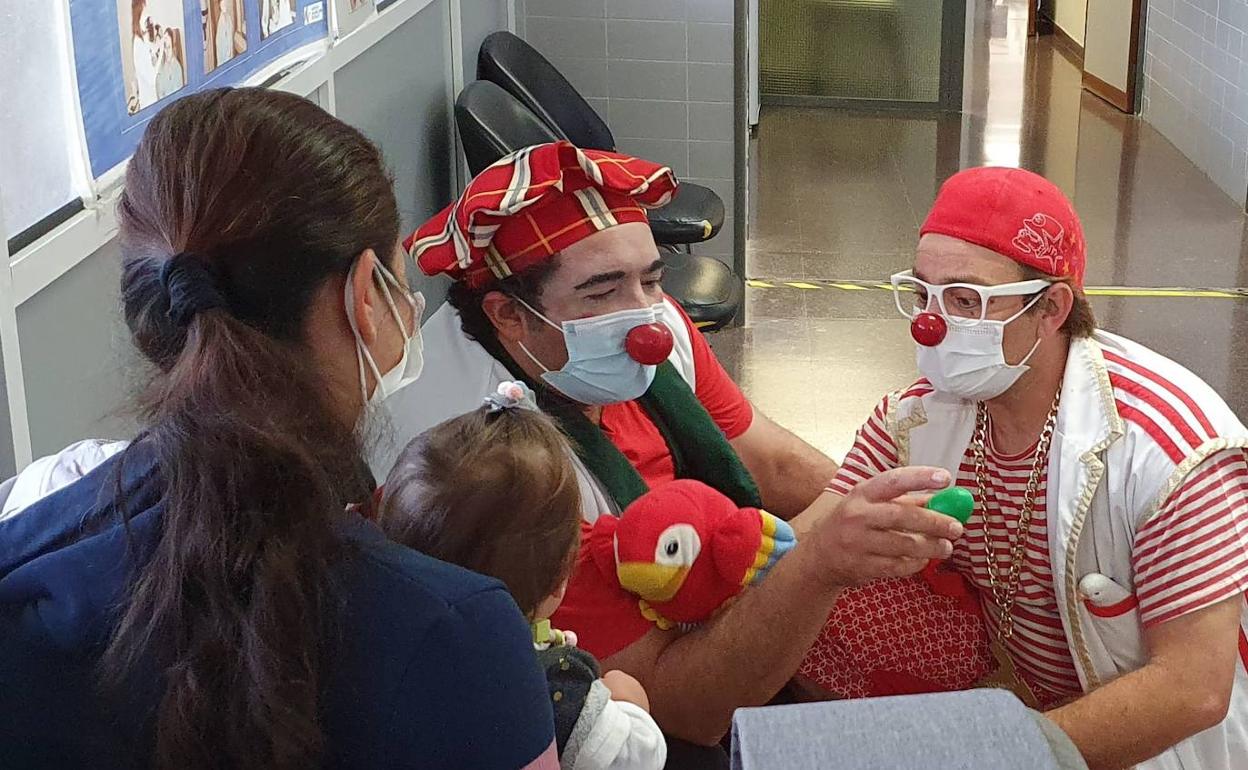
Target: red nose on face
[
  {"x": 649, "y": 344},
  {"x": 928, "y": 329}
]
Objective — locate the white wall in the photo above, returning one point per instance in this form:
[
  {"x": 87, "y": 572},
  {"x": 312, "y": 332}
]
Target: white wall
[
  {"x": 392, "y": 78},
  {"x": 1108, "y": 54},
  {"x": 1196, "y": 84},
  {"x": 1071, "y": 16}
]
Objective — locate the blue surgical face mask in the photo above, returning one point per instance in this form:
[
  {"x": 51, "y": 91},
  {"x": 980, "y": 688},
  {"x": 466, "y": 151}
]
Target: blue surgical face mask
[{"x": 599, "y": 370}]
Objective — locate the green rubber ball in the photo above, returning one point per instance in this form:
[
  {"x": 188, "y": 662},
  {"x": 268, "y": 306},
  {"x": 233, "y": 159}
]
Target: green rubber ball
[{"x": 954, "y": 501}]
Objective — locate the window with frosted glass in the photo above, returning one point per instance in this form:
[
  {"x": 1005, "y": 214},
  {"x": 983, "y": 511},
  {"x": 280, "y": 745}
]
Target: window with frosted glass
[{"x": 854, "y": 49}]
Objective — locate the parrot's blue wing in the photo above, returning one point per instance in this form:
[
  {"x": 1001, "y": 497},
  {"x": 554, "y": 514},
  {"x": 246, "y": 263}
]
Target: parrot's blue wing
[{"x": 778, "y": 539}]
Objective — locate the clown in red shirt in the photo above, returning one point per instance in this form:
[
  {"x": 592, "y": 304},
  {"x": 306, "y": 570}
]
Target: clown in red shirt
[
  {"x": 556, "y": 279},
  {"x": 1109, "y": 547}
]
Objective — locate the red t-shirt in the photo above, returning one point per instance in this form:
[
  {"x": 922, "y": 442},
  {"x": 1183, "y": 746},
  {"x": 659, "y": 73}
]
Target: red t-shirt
[
  {"x": 605, "y": 617},
  {"x": 632, "y": 432}
]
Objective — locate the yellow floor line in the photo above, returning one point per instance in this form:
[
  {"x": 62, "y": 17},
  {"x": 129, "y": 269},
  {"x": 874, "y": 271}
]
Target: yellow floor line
[
  {"x": 1095, "y": 291},
  {"x": 1109, "y": 292}
]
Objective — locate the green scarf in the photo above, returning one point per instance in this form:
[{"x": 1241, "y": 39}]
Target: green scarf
[{"x": 699, "y": 448}]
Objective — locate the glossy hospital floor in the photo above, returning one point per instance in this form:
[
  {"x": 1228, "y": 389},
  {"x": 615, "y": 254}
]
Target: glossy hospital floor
[{"x": 839, "y": 196}]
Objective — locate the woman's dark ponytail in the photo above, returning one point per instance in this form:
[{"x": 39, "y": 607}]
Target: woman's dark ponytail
[{"x": 238, "y": 206}]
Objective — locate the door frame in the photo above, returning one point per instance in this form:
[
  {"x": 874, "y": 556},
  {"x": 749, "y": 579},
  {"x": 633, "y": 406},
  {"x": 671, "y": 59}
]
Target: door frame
[{"x": 1127, "y": 101}]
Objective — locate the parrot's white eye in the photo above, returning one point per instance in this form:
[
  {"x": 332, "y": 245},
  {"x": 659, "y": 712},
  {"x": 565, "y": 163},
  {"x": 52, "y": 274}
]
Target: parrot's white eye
[{"x": 678, "y": 546}]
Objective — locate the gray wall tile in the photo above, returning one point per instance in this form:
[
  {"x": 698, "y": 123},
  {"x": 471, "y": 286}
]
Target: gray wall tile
[
  {"x": 646, "y": 9},
  {"x": 1237, "y": 16},
  {"x": 711, "y": 43},
  {"x": 644, "y": 119},
  {"x": 588, "y": 76},
  {"x": 568, "y": 38},
  {"x": 710, "y": 10},
  {"x": 1197, "y": 67},
  {"x": 631, "y": 79},
  {"x": 600, "y": 107},
  {"x": 711, "y": 82},
  {"x": 711, "y": 121},
  {"x": 668, "y": 88},
  {"x": 673, "y": 153},
  {"x": 565, "y": 8},
  {"x": 712, "y": 159},
  {"x": 652, "y": 40}
]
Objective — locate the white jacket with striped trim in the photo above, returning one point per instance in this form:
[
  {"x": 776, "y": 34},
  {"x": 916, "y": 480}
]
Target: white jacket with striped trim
[{"x": 1106, "y": 477}]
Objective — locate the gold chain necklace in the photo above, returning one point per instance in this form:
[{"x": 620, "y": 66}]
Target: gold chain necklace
[{"x": 1005, "y": 593}]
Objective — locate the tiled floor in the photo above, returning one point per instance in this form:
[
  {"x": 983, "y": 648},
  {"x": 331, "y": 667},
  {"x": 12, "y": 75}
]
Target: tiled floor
[{"x": 839, "y": 195}]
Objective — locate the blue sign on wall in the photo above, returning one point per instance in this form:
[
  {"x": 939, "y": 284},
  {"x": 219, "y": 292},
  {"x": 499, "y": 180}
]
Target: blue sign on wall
[{"x": 132, "y": 57}]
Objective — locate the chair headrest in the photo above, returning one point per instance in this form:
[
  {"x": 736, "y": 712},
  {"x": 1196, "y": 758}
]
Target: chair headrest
[
  {"x": 519, "y": 69},
  {"x": 492, "y": 123}
]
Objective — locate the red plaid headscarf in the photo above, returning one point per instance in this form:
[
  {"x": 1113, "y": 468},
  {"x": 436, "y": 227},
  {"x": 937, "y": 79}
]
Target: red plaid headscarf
[{"x": 533, "y": 203}]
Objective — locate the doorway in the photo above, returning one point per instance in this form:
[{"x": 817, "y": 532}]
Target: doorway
[
  {"x": 1105, "y": 38},
  {"x": 865, "y": 53}
]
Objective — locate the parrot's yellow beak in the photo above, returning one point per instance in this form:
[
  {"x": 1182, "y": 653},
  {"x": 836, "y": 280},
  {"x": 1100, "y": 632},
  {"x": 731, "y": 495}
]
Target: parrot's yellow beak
[{"x": 652, "y": 582}]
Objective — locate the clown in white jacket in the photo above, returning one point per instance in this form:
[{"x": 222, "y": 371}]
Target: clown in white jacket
[{"x": 1110, "y": 540}]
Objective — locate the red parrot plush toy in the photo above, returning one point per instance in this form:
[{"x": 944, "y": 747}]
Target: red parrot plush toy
[{"x": 685, "y": 549}]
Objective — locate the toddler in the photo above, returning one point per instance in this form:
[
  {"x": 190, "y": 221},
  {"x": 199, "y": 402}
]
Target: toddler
[{"x": 495, "y": 491}]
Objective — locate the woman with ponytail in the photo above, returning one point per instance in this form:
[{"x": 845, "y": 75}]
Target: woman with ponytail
[{"x": 201, "y": 599}]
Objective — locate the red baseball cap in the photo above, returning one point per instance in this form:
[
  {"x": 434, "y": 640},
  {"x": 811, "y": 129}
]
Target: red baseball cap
[{"x": 1015, "y": 213}]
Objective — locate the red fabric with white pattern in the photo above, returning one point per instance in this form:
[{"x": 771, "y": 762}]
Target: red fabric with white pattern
[
  {"x": 533, "y": 203},
  {"x": 1191, "y": 554},
  {"x": 899, "y": 637},
  {"x": 1015, "y": 213}
]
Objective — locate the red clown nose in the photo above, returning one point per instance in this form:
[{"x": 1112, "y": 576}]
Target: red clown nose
[
  {"x": 650, "y": 344},
  {"x": 928, "y": 329}
]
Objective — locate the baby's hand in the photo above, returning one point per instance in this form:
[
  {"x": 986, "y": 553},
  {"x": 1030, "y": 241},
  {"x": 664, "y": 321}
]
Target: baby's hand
[{"x": 626, "y": 688}]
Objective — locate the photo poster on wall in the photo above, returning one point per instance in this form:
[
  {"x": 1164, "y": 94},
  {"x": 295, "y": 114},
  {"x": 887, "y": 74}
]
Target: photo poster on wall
[
  {"x": 132, "y": 57},
  {"x": 350, "y": 14}
]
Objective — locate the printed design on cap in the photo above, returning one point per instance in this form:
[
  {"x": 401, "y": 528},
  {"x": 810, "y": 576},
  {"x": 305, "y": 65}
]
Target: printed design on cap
[{"x": 1041, "y": 238}]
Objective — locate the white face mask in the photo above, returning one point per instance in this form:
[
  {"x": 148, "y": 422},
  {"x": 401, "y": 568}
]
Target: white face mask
[
  {"x": 411, "y": 361},
  {"x": 600, "y": 370},
  {"x": 970, "y": 362}
]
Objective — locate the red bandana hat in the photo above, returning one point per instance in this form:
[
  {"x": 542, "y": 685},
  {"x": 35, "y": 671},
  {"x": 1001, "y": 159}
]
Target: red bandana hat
[
  {"x": 1015, "y": 213},
  {"x": 532, "y": 204}
]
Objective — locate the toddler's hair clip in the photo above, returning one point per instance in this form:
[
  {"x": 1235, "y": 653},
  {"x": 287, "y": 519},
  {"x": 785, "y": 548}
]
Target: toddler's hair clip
[{"x": 511, "y": 395}]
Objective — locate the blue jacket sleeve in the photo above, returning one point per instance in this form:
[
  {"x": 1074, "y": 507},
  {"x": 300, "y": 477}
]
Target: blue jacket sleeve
[{"x": 494, "y": 709}]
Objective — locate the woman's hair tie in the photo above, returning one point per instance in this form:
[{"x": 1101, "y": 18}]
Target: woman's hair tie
[{"x": 192, "y": 287}]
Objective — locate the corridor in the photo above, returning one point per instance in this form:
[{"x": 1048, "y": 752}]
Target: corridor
[{"x": 837, "y": 198}]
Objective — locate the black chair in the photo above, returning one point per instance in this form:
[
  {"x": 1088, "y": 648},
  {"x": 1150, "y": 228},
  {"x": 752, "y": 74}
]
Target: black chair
[
  {"x": 493, "y": 123},
  {"x": 694, "y": 215}
]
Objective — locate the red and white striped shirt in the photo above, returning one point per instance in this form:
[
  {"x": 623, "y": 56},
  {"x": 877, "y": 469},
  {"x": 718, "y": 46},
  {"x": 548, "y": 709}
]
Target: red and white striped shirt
[{"x": 1191, "y": 554}]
